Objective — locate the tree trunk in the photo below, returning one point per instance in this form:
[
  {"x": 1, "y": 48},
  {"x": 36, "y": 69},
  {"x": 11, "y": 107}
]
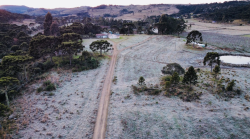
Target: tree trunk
[
  {"x": 51, "y": 59},
  {"x": 70, "y": 57},
  {"x": 6, "y": 96},
  {"x": 211, "y": 66},
  {"x": 25, "y": 73},
  {"x": 100, "y": 51}
]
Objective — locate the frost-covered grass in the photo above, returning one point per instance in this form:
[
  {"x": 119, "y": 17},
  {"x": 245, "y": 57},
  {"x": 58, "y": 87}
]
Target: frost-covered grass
[
  {"x": 139, "y": 124},
  {"x": 71, "y": 110},
  {"x": 133, "y": 40},
  {"x": 145, "y": 116},
  {"x": 238, "y": 43}
]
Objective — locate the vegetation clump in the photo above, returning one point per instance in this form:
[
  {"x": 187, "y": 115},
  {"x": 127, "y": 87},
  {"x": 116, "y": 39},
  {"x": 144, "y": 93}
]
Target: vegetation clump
[
  {"x": 47, "y": 86},
  {"x": 211, "y": 57},
  {"x": 173, "y": 67},
  {"x": 194, "y": 37},
  {"x": 3, "y": 109}
]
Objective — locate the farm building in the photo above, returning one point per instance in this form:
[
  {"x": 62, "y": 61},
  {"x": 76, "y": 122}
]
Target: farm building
[{"x": 101, "y": 36}]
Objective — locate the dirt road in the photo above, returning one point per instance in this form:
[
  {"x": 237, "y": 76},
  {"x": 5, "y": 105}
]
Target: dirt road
[{"x": 101, "y": 120}]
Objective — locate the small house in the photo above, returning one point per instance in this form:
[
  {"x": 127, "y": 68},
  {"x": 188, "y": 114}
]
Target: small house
[{"x": 101, "y": 36}]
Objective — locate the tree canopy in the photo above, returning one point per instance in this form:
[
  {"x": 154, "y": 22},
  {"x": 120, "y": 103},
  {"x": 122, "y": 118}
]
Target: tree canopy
[
  {"x": 190, "y": 77},
  {"x": 211, "y": 57},
  {"x": 194, "y": 36},
  {"x": 47, "y": 23},
  {"x": 101, "y": 45},
  {"x": 170, "y": 25},
  {"x": 8, "y": 82}
]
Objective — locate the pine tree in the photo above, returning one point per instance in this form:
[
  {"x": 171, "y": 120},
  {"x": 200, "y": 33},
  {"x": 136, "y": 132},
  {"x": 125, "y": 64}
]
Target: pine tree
[
  {"x": 7, "y": 83},
  {"x": 72, "y": 43},
  {"x": 141, "y": 81},
  {"x": 54, "y": 29},
  {"x": 230, "y": 86},
  {"x": 216, "y": 70},
  {"x": 211, "y": 57},
  {"x": 175, "y": 78},
  {"x": 190, "y": 77},
  {"x": 47, "y": 23}
]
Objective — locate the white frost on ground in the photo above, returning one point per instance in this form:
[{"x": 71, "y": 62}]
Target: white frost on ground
[
  {"x": 133, "y": 40},
  {"x": 144, "y": 116},
  {"x": 69, "y": 113}
]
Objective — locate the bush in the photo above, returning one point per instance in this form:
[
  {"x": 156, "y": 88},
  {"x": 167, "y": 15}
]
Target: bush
[
  {"x": 167, "y": 84},
  {"x": 47, "y": 65},
  {"x": 74, "y": 70},
  {"x": 40, "y": 89},
  {"x": 3, "y": 109},
  {"x": 166, "y": 78},
  {"x": 50, "y": 87},
  {"x": 14, "y": 48},
  {"x": 230, "y": 86},
  {"x": 51, "y": 94},
  {"x": 46, "y": 83},
  {"x": 155, "y": 92}
]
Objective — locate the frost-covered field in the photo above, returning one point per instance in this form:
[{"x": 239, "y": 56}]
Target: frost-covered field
[
  {"x": 143, "y": 116},
  {"x": 133, "y": 40},
  {"x": 238, "y": 43},
  {"x": 69, "y": 113},
  {"x": 219, "y": 28}
]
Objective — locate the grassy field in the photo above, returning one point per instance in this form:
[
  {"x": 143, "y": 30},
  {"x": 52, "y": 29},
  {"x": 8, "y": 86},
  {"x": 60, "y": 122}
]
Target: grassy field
[
  {"x": 157, "y": 116},
  {"x": 246, "y": 35}
]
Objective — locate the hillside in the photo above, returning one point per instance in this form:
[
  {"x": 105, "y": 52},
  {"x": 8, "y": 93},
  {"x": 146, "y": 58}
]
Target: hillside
[
  {"x": 225, "y": 12},
  {"x": 138, "y": 11},
  {"x": 214, "y": 11},
  {"x": 6, "y": 16},
  {"x": 15, "y": 8}
]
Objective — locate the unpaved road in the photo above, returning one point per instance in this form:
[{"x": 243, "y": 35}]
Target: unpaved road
[{"x": 101, "y": 120}]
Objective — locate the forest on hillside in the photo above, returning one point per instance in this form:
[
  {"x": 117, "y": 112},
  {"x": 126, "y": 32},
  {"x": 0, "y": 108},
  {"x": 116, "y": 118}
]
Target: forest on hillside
[
  {"x": 222, "y": 12},
  {"x": 6, "y": 16}
]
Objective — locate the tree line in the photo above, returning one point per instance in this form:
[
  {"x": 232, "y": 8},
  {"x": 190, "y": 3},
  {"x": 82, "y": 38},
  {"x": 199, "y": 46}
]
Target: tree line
[{"x": 223, "y": 12}]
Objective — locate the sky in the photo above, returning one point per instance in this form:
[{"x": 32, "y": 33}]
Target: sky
[{"x": 92, "y": 3}]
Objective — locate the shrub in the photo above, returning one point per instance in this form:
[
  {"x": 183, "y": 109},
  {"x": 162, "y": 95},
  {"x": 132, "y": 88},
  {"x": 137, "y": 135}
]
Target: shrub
[
  {"x": 14, "y": 48},
  {"x": 175, "y": 78},
  {"x": 230, "y": 86},
  {"x": 50, "y": 87},
  {"x": 40, "y": 89},
  {"x": 51, "y": 94},
  {"x": 74, "y": 70},
  {"x": 47, "y": 65},
  {"x": 166, "y": 78},
  {"x": 46, "y": 83},
  {"x": 3, "y": 109},
  {"x": 155, "y": 92},
  {"x": 167, "y": 84}
]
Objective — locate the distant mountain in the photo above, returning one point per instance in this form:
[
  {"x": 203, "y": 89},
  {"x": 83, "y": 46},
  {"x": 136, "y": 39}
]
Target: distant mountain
[
  {"x": 43, "y": 11},
  {"x": 15, "y": 8},
  {"x": 6, "y": 16}
]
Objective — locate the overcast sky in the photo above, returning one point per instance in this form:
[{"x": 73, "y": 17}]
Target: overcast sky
[{"x": 78, "y": 3}]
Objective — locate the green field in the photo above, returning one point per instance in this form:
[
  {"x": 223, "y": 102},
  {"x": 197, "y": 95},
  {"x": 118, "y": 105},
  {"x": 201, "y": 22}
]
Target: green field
[{"x": 247, "y": 35}]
